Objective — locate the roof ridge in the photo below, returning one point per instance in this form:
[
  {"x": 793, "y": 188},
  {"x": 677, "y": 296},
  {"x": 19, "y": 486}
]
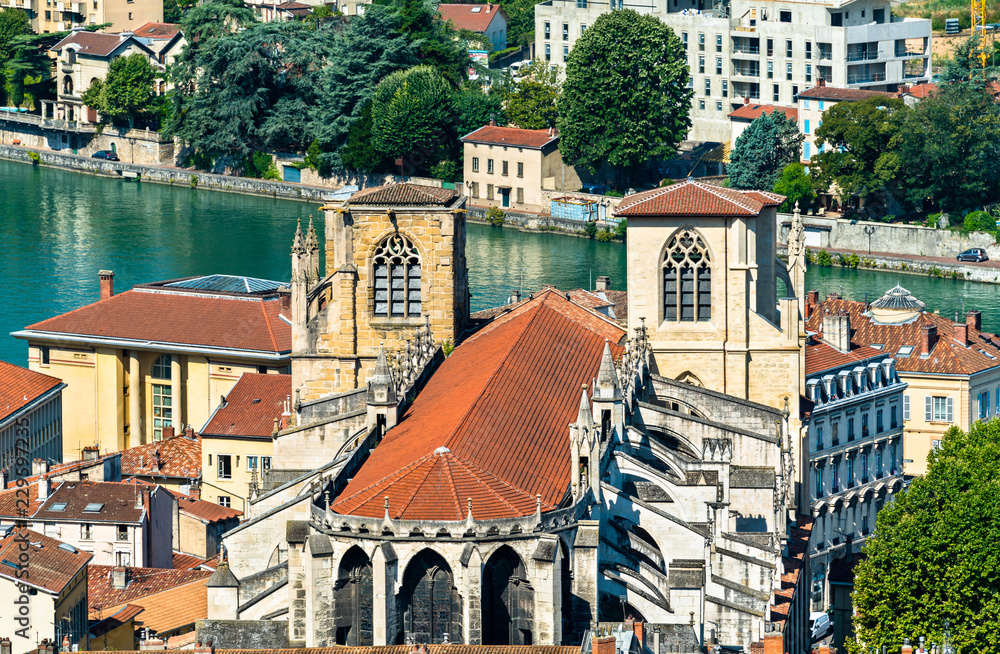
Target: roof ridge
[
  {"x": 454, "y": 489},
  {"x": 270, "y": 330},
  {"x": 416, "y": 490},
  {"x": 482, "y": 471},
  {"x": 396, "y": 475},
  {"x": 716, "y": 191}
]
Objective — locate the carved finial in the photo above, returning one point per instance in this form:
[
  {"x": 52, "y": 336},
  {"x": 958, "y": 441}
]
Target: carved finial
[
  {"x": 584, "y": 418},
  {"x": 298, "y": 246},
  {"x": 311, "y": 242}
]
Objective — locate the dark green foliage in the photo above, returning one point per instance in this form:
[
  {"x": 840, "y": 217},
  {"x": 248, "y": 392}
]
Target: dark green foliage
[
  {"x": 435, "y": 39},
  {"x": 824, "y": 259},
  {"x": 935, "y": 554},
  {"x": 520, "y": 21},
  {"x": 447, "y": 171},
  {"x": 590, "y": 229},
  {"x": 128, "y": 88},
  {"x": 410, "y": 111},
  {"x": 496, "y": 216},
  {"x": 475, "y": 108},
  {"x": 531, "y": 101},
  {"x": 979, "y": 221},
  {"x": 621, "y": 229},
  {"x": 762, "y": 151},
  {"x": 13, "y": 23},
  {"x": 625, "y": 100},
  {"x": 260, "y": 165},
  {"x": 794, "y": 183},
  {"x": 358, "y": 153}
]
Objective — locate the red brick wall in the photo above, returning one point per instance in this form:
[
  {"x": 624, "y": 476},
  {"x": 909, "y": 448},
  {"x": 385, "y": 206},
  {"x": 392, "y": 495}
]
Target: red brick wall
[{"x": 604, "y": 645}]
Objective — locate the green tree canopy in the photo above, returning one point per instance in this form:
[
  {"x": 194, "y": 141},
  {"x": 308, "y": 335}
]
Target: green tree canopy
[
  {"x": 410, "y": 111},
  {"x": 531, "y": 100},
  {"x": 475, "y": 107},
  {"x": 763, "y": 150},
  {"x": 520, "y": 21},
  {"x": 436, "y": 40},
  {"x": 128, "y": 88},
  {"x": 626, "y": 98},
  {"x": 13, "y": 23},
  {"x": 935, "y": 554},
  {"x": 794, "y": 183},
  {"x": 861, "y": 141}
]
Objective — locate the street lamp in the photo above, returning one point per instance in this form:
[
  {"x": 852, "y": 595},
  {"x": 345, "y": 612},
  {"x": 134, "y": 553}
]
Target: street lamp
[{"x": 869, "y": 230}]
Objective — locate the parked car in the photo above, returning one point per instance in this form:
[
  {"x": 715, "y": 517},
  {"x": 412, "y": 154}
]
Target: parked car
[
  {"x": 820, "y": 625},
  {"x": 974, "y": 254},
  {"x": 110, "y": 155}
]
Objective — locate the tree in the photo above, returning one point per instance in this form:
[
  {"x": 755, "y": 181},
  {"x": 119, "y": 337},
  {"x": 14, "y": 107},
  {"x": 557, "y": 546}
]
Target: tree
[
  {"x": 531, "y": 102},
  {"x": 13, "y": 23},
  {"x": 625, "y": 100},
  {"x": 128, "y": 89},
  {"x": 935, "y": 552},
  {"x": 475, "y": 108},
  {"x": 762, "y": 151},
  {"x": 951, "y": 153},
  {"x": 862, "y": 141},
  {"x": 795, "y": 185},
  {"x": 434, "y": 38},
  {"x": 410, "y": 111},
  {"x": 520, "y": 21},
  {"x": 358, "y": 153}
]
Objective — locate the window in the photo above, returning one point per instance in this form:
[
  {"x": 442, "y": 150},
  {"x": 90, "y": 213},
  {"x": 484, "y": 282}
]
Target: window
[
  {"x": 878, "y": 15},
  {"x": 86, "y": 531},
  {"x": 878, "y": 463},
  {"x": 581, "y": 4},
  {"x": 520, "y": 195},
  {"x": 984, "y": 405},
  {"x": 864, "y": 425},
  {"x": 809, "y": 72},
  {"x": 475, "y": 164},
  {"x": 818, "y": 474},
  {"x": 583, "y": 28},
  {"x": 687, "y": 279},
  {"x": 770, "y": 70},
  {"x": 718, "y": 43},
  {"x": 806, "y": 154},
  {"x": 805, "y": 126},
  {"x": 121, "y": 532},
  {"x": 701, "y": 104},
  {"x": 57, "y": 507},
  {"x": 701, "y": 42},
  {"x": 565, "y": 51},
  {"x": 849, "y": 482},
  {"x": 93, "y": 507},
  {"x": 397, "y": 275},
  {"x": 785, "y": 16},
  {"x": 503, "y": 168},
  {"x": 788, "y": 72},
  {"x": 893, "y": 421},
  {"x": 864, "y": 468},
  {"x": 684, "y": 39},
  {"x": 718, "y": 106},
  {"x": 879, "y": 427},
  {"x": 475, "y": 189},
  {"x": 725, "y": 94},
  {"x": 48, "y": 15},
  {"x": 819, "y": 438},
  {"x": 489, "y": 191},
  {"x": 265, "y": 463},
  {"x": 864, "y": 524},
  {"x": 770, "y": 47},
  {"x": 520, "y": 169},
  {"x": 788, "y": 49},
  {"x": 123, "y": 559},
  {"x": 837, "y": 19},
  {"x": 834, "y": 477},
  {"x": 809, "y": 50},
  {"x": 701, "y": 64},
  {"x": 938, "y": 409},
  {"x": 130, "y": 15},
  {"x": 777, "y": 94},
  {"x": 43, "y": 355},
  {"x": 892, "y": 459},
  {"x": 548, "y": 51},
  {"x": 718, "y": 65},
  {"x": 850, "y": 429},
  {"x": 708, "y": 86},
  {"x": 489, "y": 166},
  {"x": 163, "y": 411},
  {"x": 547, "y": 31},
  {"x": 565, "y": 31},
  {"x": 225, "y": 467},
  {"x": 251, "y": 463},
  {"x": 161, "y": 368},
  {"x": 935, "y": 445},
  {"x": 225, "y": 501}
]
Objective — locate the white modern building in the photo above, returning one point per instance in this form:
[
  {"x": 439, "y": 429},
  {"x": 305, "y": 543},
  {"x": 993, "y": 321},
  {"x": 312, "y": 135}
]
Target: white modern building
[{"x": 762, "y": 51}]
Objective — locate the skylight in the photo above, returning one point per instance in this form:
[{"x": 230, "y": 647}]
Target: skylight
[
  {"x": 876, "y": 346},
  {"x": 58, "y": 507},
  {"x": 476, "y": 10},
  {"x": 904, "y": 351},
  {"x": 94, "y": 507}
]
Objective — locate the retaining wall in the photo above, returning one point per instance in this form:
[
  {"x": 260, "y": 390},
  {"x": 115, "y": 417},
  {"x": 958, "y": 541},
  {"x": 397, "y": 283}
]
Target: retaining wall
[{"x": 132, "y": 146}]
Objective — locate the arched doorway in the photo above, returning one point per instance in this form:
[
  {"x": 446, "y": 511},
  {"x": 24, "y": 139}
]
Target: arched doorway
[
  {"x": 353, "y": 596},
  {"x": 429, "y": 601},
  {"x": 508, "y": 600}
]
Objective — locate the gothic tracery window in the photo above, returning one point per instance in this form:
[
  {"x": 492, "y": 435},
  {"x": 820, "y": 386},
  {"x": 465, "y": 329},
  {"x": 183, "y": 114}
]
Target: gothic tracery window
[
  {"x": 397, "y": 278},
  {"x": 687, "y": 279}
]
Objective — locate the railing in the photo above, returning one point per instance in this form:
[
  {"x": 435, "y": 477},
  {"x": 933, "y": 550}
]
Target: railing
[
  {"x": 746, "y": 72},
  {"x": 862, "y": 56},
  {"x": 909, "y": 52},
  {"x": 825, "y": 55},
  {"x": 35, "y": 119},
  {"x": 123, "y": 535},
  {"x": 865, "y": 79},
  {"x": 747, "y": 50}
]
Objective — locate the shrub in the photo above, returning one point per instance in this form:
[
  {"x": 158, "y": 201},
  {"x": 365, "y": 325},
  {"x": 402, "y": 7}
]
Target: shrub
[
  {"x": 35, "y": 158},
  {"x": 496, "y": 216},
  {"x": 979, "y": 221},
  {"x": 850, "y": 261},
  {"x": 194, "y": 181},
  {"x": 621, "y": 229},
  {"x": 824, "y": 259},
  {"x": 605, "y": 236},
  {"x": 590, "y": 229},
  {"x": 260, "y": 165},
  {"x": 612, "y": 193},
  {"x": 447, "y": 171}
]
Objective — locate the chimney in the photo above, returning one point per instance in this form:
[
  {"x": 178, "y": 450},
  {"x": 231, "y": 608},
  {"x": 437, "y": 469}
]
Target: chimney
[
  {"x": 962, "y": 333},
  {"x": 39, "y": 466},
  {"x": 43, "y": 489},
  {"x": 488, "y": 5},
  {"x": 493, "y": 120},
  {"x": 107, "y": 283},
  {"x": 603, "y": 645},
  {"x": 515, "y": 297},
  {"x": 91, "y": 452},
  {"x": 974, "y": 319},
  {"x": 168, "y": 432},
  {"x": 821, "y": 82},
  {"x": 928, "y": 339},
  {"x": 603, "y": 283},
  {"x": 774, "y": 643},
  {"x": 637, "y": 627},
  {"x": 189, "y": 432},
  {"x": 285, "y": 298},
  {"x": 207, "y": 648},
  {"x": 907, "y": 648},
  {"x": 5, "y": 646},
  {"x": 837, "y": 331},
  {"x": 746, "y": 100},
  {"x": 119, "y": 578}
]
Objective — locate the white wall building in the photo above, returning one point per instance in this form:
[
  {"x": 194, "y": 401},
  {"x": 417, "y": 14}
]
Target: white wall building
[{"x": 761, "y": 51}]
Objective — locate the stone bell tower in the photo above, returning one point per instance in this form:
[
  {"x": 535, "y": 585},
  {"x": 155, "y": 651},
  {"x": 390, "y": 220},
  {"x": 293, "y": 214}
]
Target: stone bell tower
[{"x": 395, "y": 264}]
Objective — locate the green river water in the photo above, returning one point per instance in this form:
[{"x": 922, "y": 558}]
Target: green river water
[{"x": 58, "y": 228}]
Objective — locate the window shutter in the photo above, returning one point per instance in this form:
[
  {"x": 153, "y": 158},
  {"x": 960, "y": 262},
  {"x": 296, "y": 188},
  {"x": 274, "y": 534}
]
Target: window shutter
[
  {"x": 986, "y": 401},
  {"x": 928, "y": 409},
  {"x": 906, "y": 407},
  {"x": 980, "y": 404},
  {"x": 951, "y": 415}
]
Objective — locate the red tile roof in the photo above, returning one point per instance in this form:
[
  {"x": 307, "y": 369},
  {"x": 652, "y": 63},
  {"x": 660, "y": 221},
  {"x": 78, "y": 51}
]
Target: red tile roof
[
  {"x": 179, "y": 456},
  {"x": 177, "y": 317},
  {"x": 182, "y": 561},
  {"x": 793, "y": 565},
  {"x": 838, "y": 94},
  {"x": 475, "y": 18},
  {"x": 172, "y": 609},
  {"x": 512, "y": 136},
  {"x": 20, "y": 386},
  {"x": 822, "y": 356},
  {"x": 392, "y": 649},
  {"x": 921, "y": 91},
  {"x": 127, "y": 613},
  {"x": 95, "y": 43},
  {"x": 141, "y": 582},
  {"x": 694, "y": 198},
  {"x": 396, "y": 195},
  {"x": 50, "y": 566},
  {"x": 208, "y": 511},
  {"x": 251, "y": 407},
  {"x": 753, "y": 111},
  {"x": 12, "y": 501},
  {"x": 947, "y": 356},
  {"x": 158, "y": 31},
  {"x": 121, "y": 503},
  {"x": 616, "y": 300},
  {"x": 492, "y": 423}
]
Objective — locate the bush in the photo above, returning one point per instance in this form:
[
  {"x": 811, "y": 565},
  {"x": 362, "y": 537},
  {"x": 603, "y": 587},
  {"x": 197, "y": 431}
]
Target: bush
[
  {"x": 590, "y": 229},
  {"x": 621, "y": 229},
  {"x": 612, "y": 193},
  {"x": 35, "y": 158},
  {"x": 496, "y": 216},
  {"x": 824, "y": 259},
  {"x": 194, "y": 181},
  {"x": 605, "y": 236},
  {"x": 979, "y": 221},
  {"x": 198, "y": 160},
  {"x": 493, "y": 56},
  {"x": 850, "y": 261},
  {"x": 447, "y": 171},
  {"x": 260, "y": 165}
]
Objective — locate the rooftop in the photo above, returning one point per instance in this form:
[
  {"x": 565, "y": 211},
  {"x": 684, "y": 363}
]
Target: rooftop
[
  {"x": 169, "y": 610},
  {"x": 694, "y": 198},
  {"x": 96, "y": 44},
  {"x": 837, "y": 94},
  {"x": 94, "y": 501},
  {"x": 405, "y": 194},
  {"x": 223, "y": 284},
  {"x": 251, "y": 407},
  {"x": 821, "y": 356},
  {"x": 157, "y": 31},
  {"x": 20, "y": 387},
  {"x": 512, "y": 136},
  {"x": 178, "y": 456},
  {"x": 141, "y": 583},
  {"x": 53, "y": 563},
  {"x": 753, "y": 111},
  {"x": 492, "y": 424},
  {"x": 472, "y": 17},
  {"x": 203, "y": 509}
]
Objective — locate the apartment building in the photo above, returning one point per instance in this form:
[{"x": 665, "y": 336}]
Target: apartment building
[
  {"x": 61, "y": 15},
  {"x": 30, "y": 420},
  {"x": 761, "y": 51}
]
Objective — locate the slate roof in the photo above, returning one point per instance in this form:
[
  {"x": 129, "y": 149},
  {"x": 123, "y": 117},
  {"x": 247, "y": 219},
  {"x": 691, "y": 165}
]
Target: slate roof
[
  {"x": 251, "y": 406},
  {"x": 141, "y": 583},
  {"x": 751, "y": 112},
  {"x": 838, "y": 94},
  {"x": 177, "y": 318},
  {"x": 694, "y": 198},
  {"x": 534, "y": 139},
  {"x": 51, "y": 567},
  {"x": 947, "y": 356},
  {"x": 121, "y": 503},
  {"x": 20, "y": 386},
  {"x": 493, "y": 421},
  {"x": 405, "y": 194},
  {"x": 472, "y": 17},
  {"x": 152, "y": 30},
  {"x": 179, "y": 456},
  {"x": 821, "y": 356}
]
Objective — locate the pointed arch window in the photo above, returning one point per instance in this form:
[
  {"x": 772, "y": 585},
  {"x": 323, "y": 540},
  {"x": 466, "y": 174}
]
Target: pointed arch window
[
  {"x": 687, "y": 279},
  {"x": 397, "y": 278}
]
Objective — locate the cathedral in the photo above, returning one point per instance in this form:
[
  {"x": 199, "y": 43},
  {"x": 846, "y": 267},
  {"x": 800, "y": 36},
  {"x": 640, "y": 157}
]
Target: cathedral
[{"x": 528, "y": 478}]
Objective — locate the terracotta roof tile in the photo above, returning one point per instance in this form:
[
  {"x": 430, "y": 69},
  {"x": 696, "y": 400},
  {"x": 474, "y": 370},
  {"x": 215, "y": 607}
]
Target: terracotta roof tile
[
  {"x": 182, "y": 561},
  {"x": 92, "y": 43},
  {"x": 251, "y": 407},
  {"x": 472, "y": 17},
  {"x": 51, "y": 567},
  {"x": 693, "y": 198},
  {"x": 798, "y": 544},
  {"x": 402, "y": 649},
  {"x": 753, "y": 111},
  {"x": 492, "y": 423},
  {"x": 122, "y": 503},
  {"x": 158, "y": 31},
  {"x": 512, "y": 136},
  {"x": 177, "y": 317},
  {"x": 840, "y": 94},
  {"x": 397, "y": 195},
  {"x": 179, "y": 456},
  {"x": 922, "y": 91},
  {"x": 20, "y": 386},
  {"x": 142, "y": 582},
  {"x": 12, "y": 501},
  {"x": 822, "y": 356},
  {"x": 174, "y": 608},
  {"x": 209, "y": 511},
  {"x": 112, "y": 622}
]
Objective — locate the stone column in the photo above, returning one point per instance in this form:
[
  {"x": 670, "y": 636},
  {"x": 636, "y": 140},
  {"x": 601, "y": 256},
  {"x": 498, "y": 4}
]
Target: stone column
[
  {"x": 383, "y": 586},
  {"x": 320, "y": 629},
  {"x": 135, "y": 432},
  {"x": 472, "y": 606},
  {"x": 585, "y": 575},
  {"x": 175, "y": 394},
  {"x": 547, "y": 583}
]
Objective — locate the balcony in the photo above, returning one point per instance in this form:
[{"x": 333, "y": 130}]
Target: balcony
[
  {"x": 122, "y": 535},
  {"x": 749, "y": 50},
  {"x": 746, "y": 71},
  {"x": 863, "y": 55},
  {"x": 909, "y": 52}
]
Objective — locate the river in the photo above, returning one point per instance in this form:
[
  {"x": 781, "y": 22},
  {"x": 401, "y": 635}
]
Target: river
[{"x": 59, "y": 228}]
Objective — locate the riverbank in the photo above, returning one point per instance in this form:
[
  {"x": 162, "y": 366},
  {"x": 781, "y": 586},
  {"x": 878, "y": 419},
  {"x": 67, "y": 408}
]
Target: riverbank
[{"x": 987, "y": 272}]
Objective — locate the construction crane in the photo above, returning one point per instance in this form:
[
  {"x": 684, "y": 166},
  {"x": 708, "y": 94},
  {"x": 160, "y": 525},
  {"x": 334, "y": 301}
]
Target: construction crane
[{"x": 978, "y": 53}]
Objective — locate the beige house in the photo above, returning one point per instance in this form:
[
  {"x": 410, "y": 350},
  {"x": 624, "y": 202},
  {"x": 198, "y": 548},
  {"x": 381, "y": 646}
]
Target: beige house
[
  {"x": 159, "y": 355},
  {"x": 59, "y": 16},
  {"x": 813, "y": 102}
]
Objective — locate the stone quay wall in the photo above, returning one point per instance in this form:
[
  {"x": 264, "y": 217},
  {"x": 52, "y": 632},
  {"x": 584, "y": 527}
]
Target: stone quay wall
[{"x": 132, "y": 146}]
